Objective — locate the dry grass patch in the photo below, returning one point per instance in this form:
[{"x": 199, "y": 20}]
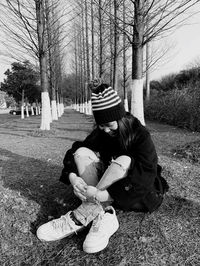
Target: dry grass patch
[{"x": 30, "y": 165}]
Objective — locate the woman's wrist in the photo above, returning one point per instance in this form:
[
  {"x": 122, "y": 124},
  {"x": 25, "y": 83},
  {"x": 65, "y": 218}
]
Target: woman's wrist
[{"x": 102, "y": 195}]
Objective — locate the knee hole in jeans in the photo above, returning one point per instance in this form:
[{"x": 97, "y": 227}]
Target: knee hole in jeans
[
  {"x": 123, "y": 161},
  {"x": 86, "y": 153}
]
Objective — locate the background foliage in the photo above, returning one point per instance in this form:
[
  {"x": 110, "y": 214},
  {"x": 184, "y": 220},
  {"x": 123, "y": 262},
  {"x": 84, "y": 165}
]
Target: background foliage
[
  {"x": 22, "y": 77},
  {"x": 176, "y": 100}
]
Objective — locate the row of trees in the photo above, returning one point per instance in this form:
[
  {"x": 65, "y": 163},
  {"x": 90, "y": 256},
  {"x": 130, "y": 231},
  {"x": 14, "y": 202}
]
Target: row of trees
[
  {"x": 33, "y": 31},
  {"x": 22, "y": 83},
  {"x": 111, "y": 36},
  {"x": 106, "y": 38}
]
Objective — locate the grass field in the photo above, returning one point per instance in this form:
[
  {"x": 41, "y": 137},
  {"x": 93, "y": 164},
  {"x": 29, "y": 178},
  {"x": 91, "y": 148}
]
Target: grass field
[{"x": 30, "y": 165}]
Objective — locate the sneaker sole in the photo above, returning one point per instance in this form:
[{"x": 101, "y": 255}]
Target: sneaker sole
[
  {"x": 53, "y": 240},
  {"x": 101, "y": 247}
]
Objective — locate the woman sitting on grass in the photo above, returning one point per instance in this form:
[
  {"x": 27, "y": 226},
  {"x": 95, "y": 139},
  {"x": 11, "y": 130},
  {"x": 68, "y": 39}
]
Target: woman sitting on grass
[{"x": 115, "y": 166}]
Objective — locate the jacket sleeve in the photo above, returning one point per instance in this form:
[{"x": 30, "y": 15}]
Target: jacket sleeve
[
  {"x": 142, "y": 173},
  {"x": 143, "y": 170},
  {"x": 90, "y": 142}
]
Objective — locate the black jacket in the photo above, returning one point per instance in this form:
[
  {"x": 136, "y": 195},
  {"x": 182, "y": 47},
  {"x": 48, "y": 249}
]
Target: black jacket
[{"x": 142, "y": 184}]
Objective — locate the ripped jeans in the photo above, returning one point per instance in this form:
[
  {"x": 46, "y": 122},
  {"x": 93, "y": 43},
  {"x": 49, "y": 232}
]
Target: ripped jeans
[{"x": 92, "y": 170}]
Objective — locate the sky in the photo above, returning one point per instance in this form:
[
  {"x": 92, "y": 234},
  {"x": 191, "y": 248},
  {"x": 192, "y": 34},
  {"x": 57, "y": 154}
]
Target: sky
[{"x": 186, "y": 50}]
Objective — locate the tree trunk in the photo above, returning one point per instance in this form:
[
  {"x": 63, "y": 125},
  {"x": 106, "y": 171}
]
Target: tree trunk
[
  {"x": 124, "y": 61},
  {"x": 137, "y": 106},
  {"x": 116, "y": 47},
  {"x": 92, "y": 33},
  {"x": 26, "y": 108},
  {"x": 58, "y": 104},
  {"x": 36, "y": 108},
  {"x": 84, "y": 61},
  {"x": 32, "y": 110},
  {"x": 147, "y": 58},
  {"x": 76, "y": 72},
  {"x": 100, "y": 40},
  {"x": 111, "y": 44},
  {"x": 87, "y": 59},
  {"x": 42, "y": 41},
  {"x": 22, "y": 105},
  {"x": 147, "y": 74},
  {"x": 46, "y": 108},
  {"x": 50, "y": 31}
]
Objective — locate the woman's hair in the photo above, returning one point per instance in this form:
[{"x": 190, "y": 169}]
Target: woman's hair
[
  {"x": 127, "y": 128},
  {"x": 99, "y": 88}
]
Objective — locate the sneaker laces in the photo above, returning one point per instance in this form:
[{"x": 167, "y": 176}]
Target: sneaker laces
[
  {"x": 97, "y": 222},
  {"x": 62, "y": 223}
]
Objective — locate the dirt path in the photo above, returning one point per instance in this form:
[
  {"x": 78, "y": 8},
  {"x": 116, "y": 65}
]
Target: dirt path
[{"x": 73, "y": 125}]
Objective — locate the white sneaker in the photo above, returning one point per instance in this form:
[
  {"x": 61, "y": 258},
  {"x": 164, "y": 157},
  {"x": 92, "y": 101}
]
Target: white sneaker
[
  {"x": 58, "y": 228},
  {"x": 103, "y": 227}
]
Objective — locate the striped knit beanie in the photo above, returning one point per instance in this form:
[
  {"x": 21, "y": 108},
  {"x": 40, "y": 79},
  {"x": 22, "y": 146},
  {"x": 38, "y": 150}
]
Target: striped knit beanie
[{"x": 106, "y": 106}]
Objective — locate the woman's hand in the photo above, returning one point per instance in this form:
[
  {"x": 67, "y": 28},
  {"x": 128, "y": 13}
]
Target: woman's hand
[
  {"x": 79, "y": 186},
  {"x": 94, "y": 193}
]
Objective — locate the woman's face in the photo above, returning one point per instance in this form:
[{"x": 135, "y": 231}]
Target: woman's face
[{"x": 109, "y": 128}]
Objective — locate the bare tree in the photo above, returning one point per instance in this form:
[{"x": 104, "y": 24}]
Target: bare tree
[
  {"x": 42, "y": 55},
  {"x": 125, "y": 75},
  {"x": 51, "y": 32},
  {"x": 92, "y": 38},
  {"x": 162, "y": 17},
  {"x": 116, "y": 46},
  {"x": 30, "y": 28}
]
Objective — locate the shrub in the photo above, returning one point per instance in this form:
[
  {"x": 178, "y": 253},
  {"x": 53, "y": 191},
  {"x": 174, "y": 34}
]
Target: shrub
[
  {"x": 176, "y": 107},
  {"x": 10, "y": 101}
]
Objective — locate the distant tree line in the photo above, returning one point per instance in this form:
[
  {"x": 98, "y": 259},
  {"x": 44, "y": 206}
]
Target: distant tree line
[
  {"x": 108, "y": 39},
  {"x": 22, "y": 82}
]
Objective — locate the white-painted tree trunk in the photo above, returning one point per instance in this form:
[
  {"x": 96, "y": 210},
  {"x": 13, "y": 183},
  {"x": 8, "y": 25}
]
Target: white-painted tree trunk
[
  {"x": 78, "y": 107},
  {"x": 137, "y": 107},
  {"x": 54, "y": 110},
  {"x": 46, "y": 111},
  {"x": 27, "y": 113},
  {"x": 126, "y": 105},
  {"x": 86, "y": 108},
  {"x": 32, "y": 110},
  {"x": 89, "y": 108},
  {"x": 58, "y": 109},
  {"x": 61, "y": 108},
  {"x": 81, "y": 108},
  {"x": 22, "y": 112},
  {"x": 36, "y": 110}
]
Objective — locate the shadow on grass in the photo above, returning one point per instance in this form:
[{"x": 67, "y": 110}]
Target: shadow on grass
[
  {"x": 37, "y": 181},
  {"x": 143, "y": 234},
  {"x": 180, "y": 207}
]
